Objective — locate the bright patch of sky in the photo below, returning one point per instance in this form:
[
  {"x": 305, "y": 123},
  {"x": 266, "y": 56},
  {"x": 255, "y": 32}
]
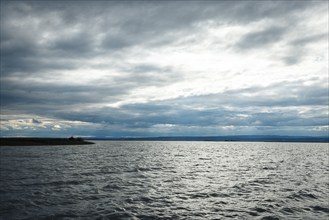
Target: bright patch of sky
[{"x": 161, "y": 68}]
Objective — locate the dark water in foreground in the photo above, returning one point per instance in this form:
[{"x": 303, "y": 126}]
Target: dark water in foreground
[{"x": 166, "y": 180}]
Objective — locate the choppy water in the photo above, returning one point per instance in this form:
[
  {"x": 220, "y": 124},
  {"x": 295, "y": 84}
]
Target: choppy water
[{"x": 166, "y": 180}]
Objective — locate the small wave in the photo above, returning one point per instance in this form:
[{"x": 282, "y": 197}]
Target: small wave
[
  {"x": 287, "y": 210},
  {"x": 11, "y": 206},
  {"x": 270, "y": 218},
  {"x": 208, "y": 195},
  {"x": 219, "y": 195},
  {"x": 302, "y": 195},
  {"x": 199, "y": 195},
  {"x": 261, "y": 181},
  {"x": 142, "y": 169},
  {"x": 287, "y": 190},
  {"x": 145, "y": 199},
  {"x": 221, "y": 203},
  {"x": 68, "y": 182},
  {"x": 36, "y": 204},
  {"x": 269, "y": 168},
  {"x": 111, "y": 187},
  {"x": 205, "y": 158},
  {"x": 60, "y": 216},
  {"x": 58, "y": 183},
  {"x": 182, "y": 197},
  {"x": 259, "y": 210},
  {"x": 253, "y": 213},
  {"x": 320, "y": 208}
]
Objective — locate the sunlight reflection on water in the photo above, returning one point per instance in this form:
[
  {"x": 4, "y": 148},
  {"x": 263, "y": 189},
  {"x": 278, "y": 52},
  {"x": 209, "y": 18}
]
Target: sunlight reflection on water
[{"x": 166, "y": 180}]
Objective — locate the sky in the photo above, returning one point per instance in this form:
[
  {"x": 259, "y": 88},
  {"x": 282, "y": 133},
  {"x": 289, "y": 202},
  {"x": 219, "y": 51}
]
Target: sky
[{"x": 164, "y": 68}]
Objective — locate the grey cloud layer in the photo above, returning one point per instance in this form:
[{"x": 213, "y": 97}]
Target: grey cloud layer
[
  {"x": 261, "y": 38},
  {"x": 257, "y": 105},
  {"x": 112, "y": 26},
  {"x": 40, "y": 40}
]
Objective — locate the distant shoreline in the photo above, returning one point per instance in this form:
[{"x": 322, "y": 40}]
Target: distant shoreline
[
  {"x": 35, "y": 141},
  {"x": 18, "y": 141},
  {"x": 237, "y": 138}
]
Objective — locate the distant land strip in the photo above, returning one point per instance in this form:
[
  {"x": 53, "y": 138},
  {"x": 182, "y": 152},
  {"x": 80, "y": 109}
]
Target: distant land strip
[
  {"x": 241, "y": 138},
  {"x": 18, "y": 141}
]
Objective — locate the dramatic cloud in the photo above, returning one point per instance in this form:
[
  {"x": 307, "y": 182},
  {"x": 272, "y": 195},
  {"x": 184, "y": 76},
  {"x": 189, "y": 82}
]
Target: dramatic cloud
[{"x": 153, "y": 68}]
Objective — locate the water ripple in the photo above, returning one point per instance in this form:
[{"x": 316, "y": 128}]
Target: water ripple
[{"x": 166, "y": 180}]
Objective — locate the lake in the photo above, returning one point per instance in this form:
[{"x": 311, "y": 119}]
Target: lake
[{"x": 166, "y": 180}]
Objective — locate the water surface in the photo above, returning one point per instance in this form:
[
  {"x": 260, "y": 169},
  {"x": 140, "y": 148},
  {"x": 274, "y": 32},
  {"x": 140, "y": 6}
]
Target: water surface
[{"x": 166, "y": 180}]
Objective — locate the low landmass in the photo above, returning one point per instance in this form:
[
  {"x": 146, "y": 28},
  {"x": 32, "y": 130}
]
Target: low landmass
[
  {"x": 20, "y": 141},
  {"x": 247, "y": 138}
]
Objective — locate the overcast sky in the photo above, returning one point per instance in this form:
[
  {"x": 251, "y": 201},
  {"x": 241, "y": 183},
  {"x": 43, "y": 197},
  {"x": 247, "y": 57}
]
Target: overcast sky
[{"x": 162, "y": 68}]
